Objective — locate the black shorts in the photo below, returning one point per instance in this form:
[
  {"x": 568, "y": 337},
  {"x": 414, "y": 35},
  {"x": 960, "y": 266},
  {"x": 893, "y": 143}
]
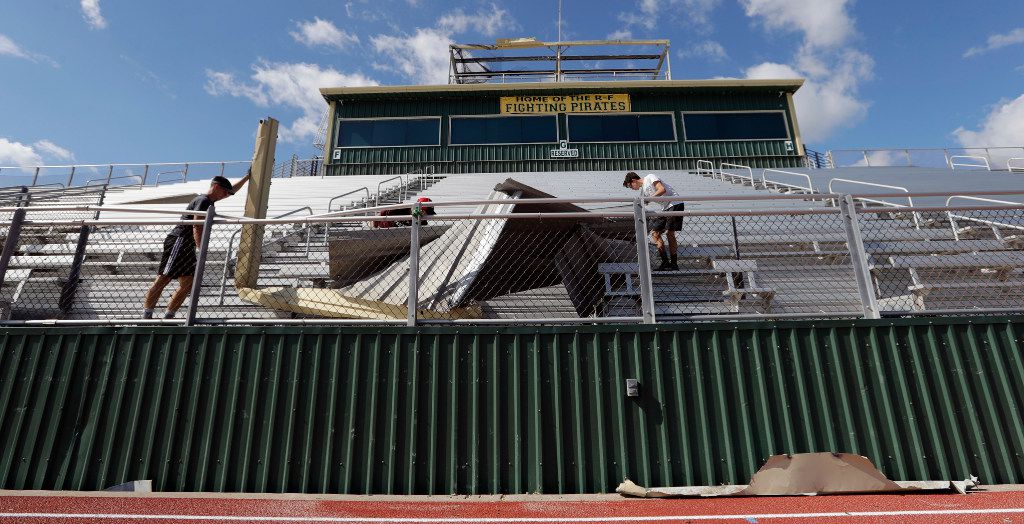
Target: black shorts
[
  {"x": 668, "y": 223},
  {"x": 179, "y": 257}
]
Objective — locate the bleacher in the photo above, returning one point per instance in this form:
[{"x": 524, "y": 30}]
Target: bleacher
[
  {"x": 745, "y": 264},
  {"x": 120, "y": 261}
]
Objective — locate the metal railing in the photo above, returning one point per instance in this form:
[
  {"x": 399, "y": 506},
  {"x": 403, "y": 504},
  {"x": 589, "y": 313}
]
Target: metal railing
[
  {"x": 706, "y": 168},
  {"x": 862, "y": 198},
  {"x": 1015, "y": 165},
  {"x": 775, "y": 183},
  {"x": 107, "y": 181},
  {"x": 497, "y": 266},
  {"x": 41, "y": 175},
  {"x": 180, "y": 175},
  {"x": 815, "y": 160},
  {"x": 727, "y": 165},
  {"x": 996, "y": 226},
  {"x": 231, "y": 246},
  {"x": 956, "y": 161},
  {"x": 913, "y": 157}
]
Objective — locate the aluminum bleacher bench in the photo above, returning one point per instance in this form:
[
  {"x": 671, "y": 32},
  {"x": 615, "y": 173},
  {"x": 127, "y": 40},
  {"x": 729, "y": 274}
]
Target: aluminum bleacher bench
[
  {"x": 935, "y": 247},
  {"x": 1001, "y": 265},
  {"x": 731, "y": 269},
  {"x": 735, "y": 295}
]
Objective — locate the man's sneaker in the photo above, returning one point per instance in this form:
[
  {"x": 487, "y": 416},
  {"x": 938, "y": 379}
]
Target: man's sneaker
[
  {"x": 673, "y": 266},
  {"x": 667, "y": 266}
]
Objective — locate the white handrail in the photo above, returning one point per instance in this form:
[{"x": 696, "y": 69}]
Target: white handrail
[
  {"x": 953, "y": 161},
  {"x": 1015, "y": 168},
  {"x": 952, "y": 218},
  {"x": 701, "y": 170},
  {"x": 737, "y": 166},
  {"x": 765, "y": 181},
  {"x": 910, "y": 200}
]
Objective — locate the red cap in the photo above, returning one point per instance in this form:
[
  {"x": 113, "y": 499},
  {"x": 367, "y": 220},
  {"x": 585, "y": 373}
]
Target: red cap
[{"x": 423, "y": 199}]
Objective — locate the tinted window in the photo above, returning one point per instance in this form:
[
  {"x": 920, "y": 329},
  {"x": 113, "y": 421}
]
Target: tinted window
[
  {"x": 621, "y": 128},
  {"x": 394, "y": 132},
  {"x": 504, "y": 130},
  {"x": 735, "y": 126}
]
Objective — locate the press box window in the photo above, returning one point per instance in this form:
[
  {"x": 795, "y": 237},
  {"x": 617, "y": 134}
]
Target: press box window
[
  {"x": 389, "y": 132},
  {"x": 504, "y": 130},
  {"x": 622, "y": 128},
  {"x": 735, "y": 126}
]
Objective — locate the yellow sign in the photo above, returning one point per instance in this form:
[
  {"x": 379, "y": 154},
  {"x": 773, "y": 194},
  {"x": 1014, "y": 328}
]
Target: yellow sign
[{"x": 532, "y": 105}]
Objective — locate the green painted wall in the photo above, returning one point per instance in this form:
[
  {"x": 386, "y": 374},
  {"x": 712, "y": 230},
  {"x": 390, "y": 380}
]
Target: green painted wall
[
  {"x": 504, "y": 410},
  {"x": 535, "y": 157}
]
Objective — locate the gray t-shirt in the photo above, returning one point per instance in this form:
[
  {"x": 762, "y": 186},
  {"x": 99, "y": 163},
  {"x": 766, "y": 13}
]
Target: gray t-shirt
[{"x": 648, "y": 190}]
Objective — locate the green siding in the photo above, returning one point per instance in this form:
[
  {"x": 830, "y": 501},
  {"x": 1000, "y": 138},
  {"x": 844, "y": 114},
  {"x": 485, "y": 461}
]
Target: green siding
[
  {"x": 504, "y": 410},
  {"x": 473, "y": 159}
]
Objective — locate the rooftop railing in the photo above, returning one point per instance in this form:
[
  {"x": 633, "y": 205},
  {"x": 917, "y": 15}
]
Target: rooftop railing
[
  {"x": 950, "y": 157},
  {"x": 154, "y": 173},
  {"x": 564, "y": 261}
]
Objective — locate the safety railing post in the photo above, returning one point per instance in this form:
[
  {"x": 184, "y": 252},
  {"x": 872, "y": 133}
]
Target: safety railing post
[
  {"x": 35, "y": 177},
  {"x": 11, "y": 242},
  {"x": 197, "y": 279},
  {"x": 71, "y": 177},
  {"x": 70, "y": 287},
  {"x": 145, "y": 174},
  {"x": 858, "y": 257},
  {"x": 414, "y": 266},
  {"x": 643, "y": 262},
  {"x": 110, "y": 173}
]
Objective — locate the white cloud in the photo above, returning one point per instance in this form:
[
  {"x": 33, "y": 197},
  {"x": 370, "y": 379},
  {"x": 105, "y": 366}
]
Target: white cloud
[
  {"x": 320, "y": 32},
  {"x": 697, "y": 12},
  {"x": 621, "y": 34},
  {"x": 8, "y": 47},
  {"x": 648, "y": 13},
  {"x": 92, "y": 15},
  {"x": 824, "y": 23},
  {"x": 423, "y": 55},
  {"x": 998, "y": 41},
  {"x": 828, "y": 99},
  {"x": 1003, "y": 126},
  {"x": 708, "y": 49},
  {"x": 18, "y": 154},
  {"x": 833, "y": 72},
  {"x": 294, "y": 85},
  {"x": 488, "y": 22},
  {"x": 50, "y": 150}
]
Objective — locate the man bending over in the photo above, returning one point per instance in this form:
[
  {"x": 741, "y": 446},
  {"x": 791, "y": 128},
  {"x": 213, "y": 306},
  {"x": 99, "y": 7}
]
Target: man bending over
[
  {"x": 179, "y": 257},
  {"x": 652, "y": 186}
]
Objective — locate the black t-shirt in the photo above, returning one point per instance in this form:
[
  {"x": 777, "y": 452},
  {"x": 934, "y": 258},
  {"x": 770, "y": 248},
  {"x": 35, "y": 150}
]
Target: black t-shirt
[{"x": 199, "y": 203}]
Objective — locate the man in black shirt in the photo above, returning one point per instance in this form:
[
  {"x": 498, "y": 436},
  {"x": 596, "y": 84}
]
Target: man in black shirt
[{"x": 179, "y": 257}]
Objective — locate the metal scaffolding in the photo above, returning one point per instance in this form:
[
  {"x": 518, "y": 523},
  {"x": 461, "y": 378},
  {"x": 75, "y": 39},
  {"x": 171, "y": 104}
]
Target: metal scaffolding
[{"x": 530, "y": 60}]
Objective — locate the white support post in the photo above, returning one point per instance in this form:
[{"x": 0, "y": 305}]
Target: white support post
[
  {"x": 197, "y": 279},
  {"x": 858, "y": 257},
  {"x": 414, "y": 265},
  {"x": 643, "y": 262}
]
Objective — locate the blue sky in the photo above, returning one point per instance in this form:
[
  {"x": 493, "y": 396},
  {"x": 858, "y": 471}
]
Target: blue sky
[{"x": 97, "y": 81}]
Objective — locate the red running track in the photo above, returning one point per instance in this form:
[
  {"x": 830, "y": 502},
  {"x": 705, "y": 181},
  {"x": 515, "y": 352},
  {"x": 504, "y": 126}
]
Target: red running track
[{"x": 985, "y": 507}]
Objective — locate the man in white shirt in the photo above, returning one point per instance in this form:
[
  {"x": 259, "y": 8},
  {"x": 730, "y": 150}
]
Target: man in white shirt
[{"x": 653, "y": 186}]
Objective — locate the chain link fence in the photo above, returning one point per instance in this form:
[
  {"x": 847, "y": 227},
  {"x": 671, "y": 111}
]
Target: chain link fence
[{"x": 512, "y": 262}]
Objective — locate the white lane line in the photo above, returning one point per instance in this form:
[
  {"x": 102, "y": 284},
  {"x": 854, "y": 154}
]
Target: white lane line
[{"x": 237, "y": 518}]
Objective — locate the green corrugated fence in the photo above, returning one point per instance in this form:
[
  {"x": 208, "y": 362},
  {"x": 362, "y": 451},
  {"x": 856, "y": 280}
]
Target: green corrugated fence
[{"x": 504, "y": 410}]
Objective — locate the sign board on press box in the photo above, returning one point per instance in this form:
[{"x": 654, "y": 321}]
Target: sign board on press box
[{"x": 541, "y": 105}]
